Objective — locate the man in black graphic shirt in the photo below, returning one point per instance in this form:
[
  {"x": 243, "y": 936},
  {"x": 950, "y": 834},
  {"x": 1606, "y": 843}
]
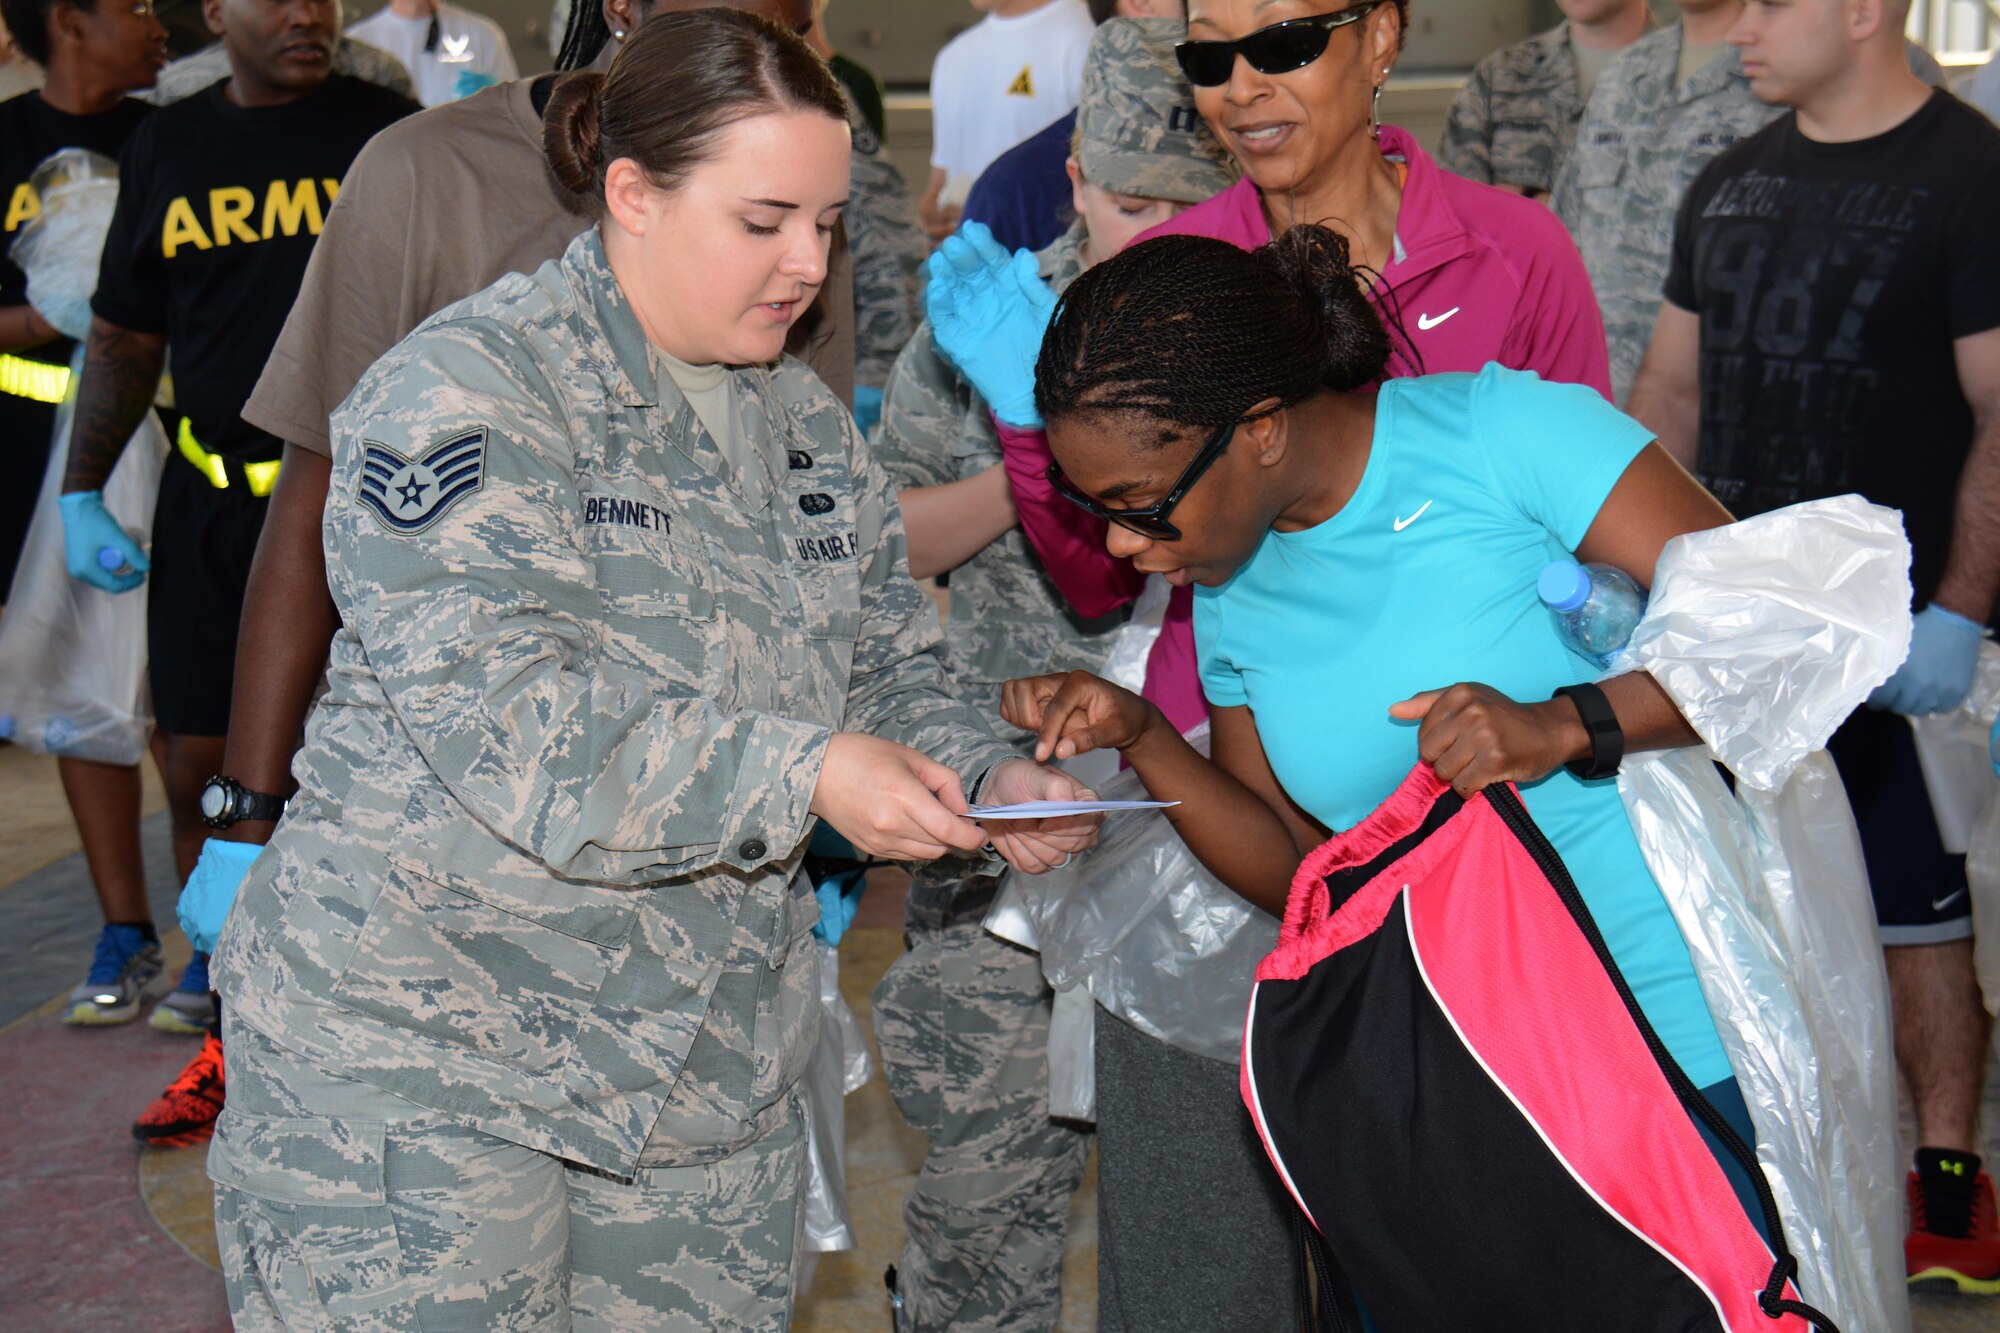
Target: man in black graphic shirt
[
  {"x": 221, "y": 198},
  {"x": 1832, "y": 325}
]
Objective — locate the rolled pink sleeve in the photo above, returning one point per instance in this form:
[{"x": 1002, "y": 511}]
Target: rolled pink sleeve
[
  {"x": 1069, "y": 541},
  {"x": 1173, "y": 673}
]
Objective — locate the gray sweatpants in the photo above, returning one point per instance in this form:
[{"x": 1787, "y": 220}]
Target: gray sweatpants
[
  {"x": 341, "y": 1206},
  {"x": 1194, "y": 1228}
]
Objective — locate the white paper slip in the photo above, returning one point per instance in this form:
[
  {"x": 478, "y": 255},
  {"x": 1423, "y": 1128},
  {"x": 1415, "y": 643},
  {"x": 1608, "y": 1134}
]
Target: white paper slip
[{"x": 1056, "y": 809}]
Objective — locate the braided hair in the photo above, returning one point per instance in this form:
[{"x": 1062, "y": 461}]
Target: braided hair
[
  {"x": 1194, "y": 331},
  {"x": 584, "y": 35}
]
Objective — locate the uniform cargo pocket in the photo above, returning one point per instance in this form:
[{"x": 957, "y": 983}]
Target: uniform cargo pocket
[
  {"x": 437, "y": 960},
  {"x": 302, "y": 1211},
  {"x": 788, "y": 1011}
]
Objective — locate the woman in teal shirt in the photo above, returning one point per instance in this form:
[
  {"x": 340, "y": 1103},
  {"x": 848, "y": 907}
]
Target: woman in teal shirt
[{"x": 1360, "y": 561}]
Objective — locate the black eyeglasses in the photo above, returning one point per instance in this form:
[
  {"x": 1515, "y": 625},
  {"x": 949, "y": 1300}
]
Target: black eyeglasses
[
  {"x": 1150, "y": 522},
  {"x": 1278, "y": 49}
]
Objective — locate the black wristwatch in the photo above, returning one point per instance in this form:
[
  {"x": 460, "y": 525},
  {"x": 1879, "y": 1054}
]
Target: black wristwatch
[
  {"x": 1607, "y": 738},
  {"x": 225, "y": 801}
]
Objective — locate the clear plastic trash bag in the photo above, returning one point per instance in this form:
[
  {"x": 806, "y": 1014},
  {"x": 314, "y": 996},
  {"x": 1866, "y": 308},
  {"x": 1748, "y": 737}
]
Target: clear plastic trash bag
[
  {"x": 839, "y": 1065},
  {"x": 1145, "y": 928},
  {"x": 1767, "y": 632},
  {"x": 1982, "y": 872},
  {"x": 59, "y": 247},
  {"x": 73, "y": 659},
  {"x": 73, "y": 677},
  {"x": 1073, "y": 1056},
  {"x": 1772, "y": 630},
  {"x": 1956, "y": 750}
]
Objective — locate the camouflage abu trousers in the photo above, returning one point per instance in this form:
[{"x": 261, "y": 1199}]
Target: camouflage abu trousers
[
  {"x": 340, "y": 1206},
  {"x": 963, "y": 1023}
]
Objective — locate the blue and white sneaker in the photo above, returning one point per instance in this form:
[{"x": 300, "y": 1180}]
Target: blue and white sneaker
[
  {"x": 126, "y": 971},
  {"x": 190, "y": 1010}
]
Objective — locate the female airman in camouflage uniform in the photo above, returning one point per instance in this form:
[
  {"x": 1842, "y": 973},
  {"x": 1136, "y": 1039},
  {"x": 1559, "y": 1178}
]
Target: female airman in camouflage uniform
[{"x": 516, "y": 995}]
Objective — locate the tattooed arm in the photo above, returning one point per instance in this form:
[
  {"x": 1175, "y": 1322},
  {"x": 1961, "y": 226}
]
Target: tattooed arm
[
  {"x": 121, "y": 372},
  {"x": 22, "y": 327}
]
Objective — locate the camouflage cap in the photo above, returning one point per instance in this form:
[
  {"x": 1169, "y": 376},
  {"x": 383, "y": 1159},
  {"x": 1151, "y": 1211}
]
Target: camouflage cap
[{"x": 1137, "y": 130}]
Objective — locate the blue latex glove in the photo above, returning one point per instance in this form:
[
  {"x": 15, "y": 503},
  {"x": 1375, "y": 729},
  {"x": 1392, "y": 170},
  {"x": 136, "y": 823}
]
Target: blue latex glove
[
  {"x": 867, "y": 408},
  {"x": 1993, "y": 747},
  {"x": 95, "y": 548},
  {"x": 988, "y": 312},
  {"x": 839, "y": 899},
  {"x": 205, "y": 899},
  {"x": 1937, "y": 675},
  {"x": 471, "y": 81}
]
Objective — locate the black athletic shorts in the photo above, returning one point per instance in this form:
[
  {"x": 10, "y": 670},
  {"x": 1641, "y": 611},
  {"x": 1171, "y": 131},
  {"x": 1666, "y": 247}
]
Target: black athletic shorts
[
  {"x": 1920, "y": 888},
  {"x": 203, "y": 539}
]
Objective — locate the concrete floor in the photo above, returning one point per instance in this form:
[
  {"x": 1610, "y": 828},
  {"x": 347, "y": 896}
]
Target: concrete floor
[{"x": 97, "y": 1234}]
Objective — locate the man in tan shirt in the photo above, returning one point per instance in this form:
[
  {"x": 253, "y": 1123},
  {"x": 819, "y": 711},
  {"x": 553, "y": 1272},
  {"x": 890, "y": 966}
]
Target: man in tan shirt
[{"x": 449, "y": 202}]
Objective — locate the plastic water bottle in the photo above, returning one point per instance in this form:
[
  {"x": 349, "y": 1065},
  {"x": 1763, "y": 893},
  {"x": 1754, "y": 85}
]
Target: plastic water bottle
[{"x": 1596, "y": 607}]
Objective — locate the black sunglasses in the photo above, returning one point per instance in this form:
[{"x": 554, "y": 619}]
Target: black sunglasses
[
  {"x": 1278, "y": 49},
  {"x": 1150, "y": 522}
]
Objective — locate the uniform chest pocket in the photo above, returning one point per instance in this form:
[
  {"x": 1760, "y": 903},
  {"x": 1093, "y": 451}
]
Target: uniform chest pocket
[
  {"x": 1600, "y": 164},
  {"x": 832, "y": 600},
  {"x": 647, "y": 572}
]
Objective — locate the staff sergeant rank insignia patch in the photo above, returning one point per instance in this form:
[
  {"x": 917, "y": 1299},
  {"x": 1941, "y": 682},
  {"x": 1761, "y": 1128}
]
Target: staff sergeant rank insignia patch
[{"x": 408, "y": 495}]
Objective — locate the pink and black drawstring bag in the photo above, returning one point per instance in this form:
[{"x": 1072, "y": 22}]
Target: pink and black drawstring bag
[{"x": 1481, "y": 1127}]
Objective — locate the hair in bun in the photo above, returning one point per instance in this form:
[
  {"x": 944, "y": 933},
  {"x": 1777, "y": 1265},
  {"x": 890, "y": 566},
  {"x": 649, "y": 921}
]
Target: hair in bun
[
  {"x": 1194, "y": 331},
  {"x": 570, "y": 131},
  {"x": 674, "y": 87}
]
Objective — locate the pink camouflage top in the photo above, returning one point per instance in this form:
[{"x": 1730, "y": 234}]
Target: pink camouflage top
[{"x": 1478, "y": 275}]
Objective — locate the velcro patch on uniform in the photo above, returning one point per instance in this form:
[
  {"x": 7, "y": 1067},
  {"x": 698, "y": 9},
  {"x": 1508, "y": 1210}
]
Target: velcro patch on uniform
[{"x": 407, "y": 495}]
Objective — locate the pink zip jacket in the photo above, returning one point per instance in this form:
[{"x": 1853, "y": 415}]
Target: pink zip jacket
[{"x": 1478, "y": 275}]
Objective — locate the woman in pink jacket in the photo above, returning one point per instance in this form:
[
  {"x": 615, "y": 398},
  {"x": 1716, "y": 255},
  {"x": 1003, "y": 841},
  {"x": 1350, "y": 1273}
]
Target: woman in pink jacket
[{"x": 1463, "y": 273}]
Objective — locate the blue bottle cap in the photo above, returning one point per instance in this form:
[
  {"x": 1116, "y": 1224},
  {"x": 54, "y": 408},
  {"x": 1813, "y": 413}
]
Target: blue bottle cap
[
  {"x": 109, "y": 559},
  {"x": 1564, "y": 585}
]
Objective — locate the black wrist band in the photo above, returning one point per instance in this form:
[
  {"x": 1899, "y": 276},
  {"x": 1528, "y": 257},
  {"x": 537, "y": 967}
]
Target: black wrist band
[{"x": 1607, "y": 738}]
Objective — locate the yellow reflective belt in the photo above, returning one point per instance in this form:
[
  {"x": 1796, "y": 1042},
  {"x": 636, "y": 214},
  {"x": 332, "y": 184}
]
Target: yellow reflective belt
[
  {"x": 38, "y": 380},
  {"x": 261, "y": 476}
]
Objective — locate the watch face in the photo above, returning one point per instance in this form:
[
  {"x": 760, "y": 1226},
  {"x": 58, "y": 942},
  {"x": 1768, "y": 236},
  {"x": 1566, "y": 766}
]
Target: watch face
[{"x": 214, "y": 800}]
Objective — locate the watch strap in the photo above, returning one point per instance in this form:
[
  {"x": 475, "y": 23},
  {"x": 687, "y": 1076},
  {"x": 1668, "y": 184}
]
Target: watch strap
[
  {"x": 1607, "y": 738},
  {"x": 259, "y": 805},
  {"x": 240, "y": 803}
]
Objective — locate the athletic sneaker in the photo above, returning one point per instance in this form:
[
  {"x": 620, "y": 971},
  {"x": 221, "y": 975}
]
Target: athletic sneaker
[
  {"x": 185, "y": 1113},
  {"x": 126, "y": 971},
  {"x": 190, "y": 1010},
  {"x": 1954, "y": 1240}
]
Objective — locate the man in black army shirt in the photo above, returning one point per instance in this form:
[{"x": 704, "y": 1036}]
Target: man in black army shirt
[{"x": 221, "y": 199}]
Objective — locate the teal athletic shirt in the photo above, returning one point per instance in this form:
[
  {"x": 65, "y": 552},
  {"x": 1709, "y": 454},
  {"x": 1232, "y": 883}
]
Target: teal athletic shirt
[{"x": 1426, "y": 578}]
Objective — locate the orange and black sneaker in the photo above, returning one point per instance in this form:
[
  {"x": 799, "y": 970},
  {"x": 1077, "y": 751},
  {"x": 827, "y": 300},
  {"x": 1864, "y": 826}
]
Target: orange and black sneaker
[
  {"x": 1954, "y": 1240},
  {"x": 185, "y": 1113}
]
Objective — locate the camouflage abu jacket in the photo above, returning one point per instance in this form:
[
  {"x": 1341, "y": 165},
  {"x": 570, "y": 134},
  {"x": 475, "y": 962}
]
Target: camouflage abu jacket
[
  {"x": 1006, "y": 618},
  {"x": 539, "y": 872},
  {"x": 1514, "y": 120}
]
